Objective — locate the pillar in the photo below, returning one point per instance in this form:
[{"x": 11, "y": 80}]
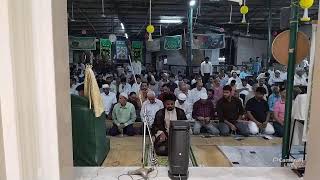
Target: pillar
[{"x": 36, "y": 134}]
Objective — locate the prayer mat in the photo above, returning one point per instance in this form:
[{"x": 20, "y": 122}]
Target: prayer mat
[{"x": 258, "y": 156}]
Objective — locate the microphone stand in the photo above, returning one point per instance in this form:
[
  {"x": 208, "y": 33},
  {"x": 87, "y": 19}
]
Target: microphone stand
[{"x": 143, "y": 171}]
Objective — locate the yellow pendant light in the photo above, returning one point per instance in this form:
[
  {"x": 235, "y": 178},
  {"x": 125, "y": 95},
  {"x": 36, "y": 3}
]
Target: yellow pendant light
[{"x": 306, "y": 4}]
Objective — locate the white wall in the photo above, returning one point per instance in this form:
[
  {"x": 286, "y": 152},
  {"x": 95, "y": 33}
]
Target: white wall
[{"x": 247, "y": 48}]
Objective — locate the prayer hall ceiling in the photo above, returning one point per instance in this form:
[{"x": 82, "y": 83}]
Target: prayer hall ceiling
[{"x": 86, "y": 16}]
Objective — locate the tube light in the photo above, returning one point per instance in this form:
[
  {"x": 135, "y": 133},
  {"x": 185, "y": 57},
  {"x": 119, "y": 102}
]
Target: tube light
[
  {"x": 126, "y": 35},
  {"x": 122, "y": 26},
  {"x": 170, "y": 21}
]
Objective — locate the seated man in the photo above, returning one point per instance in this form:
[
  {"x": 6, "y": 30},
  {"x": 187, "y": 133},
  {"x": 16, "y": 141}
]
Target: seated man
[
  {"x": 160, "y": 128},
  {"x": 109, "y": 100},
  {"x": 258, "y": 113},
  {"x": 195, "y": 92},
  {"x": 123, "y": 116},
  {"x": 230, "y": 111},
  {"x": 274, "y": 97},
  {"x": 164, "y": 91},
  {"x": 182, "y": 103},
  {"x": 244, "y": 88},
  {"x": 279, "y": 111},
  {"x": 150, "y": 107},
  {"x": 203, "y": 112}
]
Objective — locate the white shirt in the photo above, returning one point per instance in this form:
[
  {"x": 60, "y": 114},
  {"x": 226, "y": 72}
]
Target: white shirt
[
  {"x": 283, "y": 75},
  {"x": 195, "y": 94},
  {"x": 245, "y": 92},
  {"x": 126, "y": 88},
  {"x": 300, "y": 81},
  {"x": 108, "y": 101},
  {"x": 261, "y": 75},
  {"x": 238, "y": 80},
  {"x": 149, "y": 110},
  {"x": 136, "y": 67},
  {"x": 187, "y": 107},
  {"x": 274, "y": 80},
  {"x": 135, "y": 88},
  {"x": 73, "y": 89},
  {"x": 206, "y": 68}
]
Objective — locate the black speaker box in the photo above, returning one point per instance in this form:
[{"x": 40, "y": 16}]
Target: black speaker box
[{"x": 179, "y": 145}]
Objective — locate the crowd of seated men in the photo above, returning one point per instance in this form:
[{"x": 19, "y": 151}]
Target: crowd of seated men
[{"x": 223, "y": 103}]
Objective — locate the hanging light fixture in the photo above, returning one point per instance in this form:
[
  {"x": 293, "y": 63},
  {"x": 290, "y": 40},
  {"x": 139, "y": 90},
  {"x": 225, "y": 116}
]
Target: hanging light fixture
[
  {"x": 244, "y": 10},
  {"x": 102, "y": 7},
  {"x": 72, "y": 15},
  {"x": 230, "y": 16},
  {"x": 306, "y": 4},
  {"x": 150, "y": 27}
]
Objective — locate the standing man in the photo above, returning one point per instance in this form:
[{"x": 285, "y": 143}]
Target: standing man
[
  {"x": 150, "y": 107},
  {"x": 203, "y": 112},
  {"x": 206, "y": 70},
  {"x": 109, "y": 100},
  {"x": 160, "y": 128},
  {"x": 123, "y": 117},
  {"x": 258, "y": 113},
  {"x": 230, "y": 111},
  {"x": 256, "y": 66},
  {"x": 136, "y": 67}
]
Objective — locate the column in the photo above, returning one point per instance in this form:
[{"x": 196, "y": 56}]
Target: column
[{"x": 35, "y": 102}]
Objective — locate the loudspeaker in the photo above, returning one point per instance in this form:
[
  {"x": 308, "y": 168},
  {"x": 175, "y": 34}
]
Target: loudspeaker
[
  {"x": 179, "y": 145},
  {"x": 285, "y": 14}
]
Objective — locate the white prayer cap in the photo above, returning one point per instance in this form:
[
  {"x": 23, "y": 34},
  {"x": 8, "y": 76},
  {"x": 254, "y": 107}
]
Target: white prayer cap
[
  {"x": 277, "y": 71},
  {"x": 124, "y": 95},
  {"x": 105, "y": 86},
  {"x": 182, "y": 97},
  {"x": 204, "y": 96}
]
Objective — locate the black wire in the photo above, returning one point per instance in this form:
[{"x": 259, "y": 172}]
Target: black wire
[{"x": 125, "y": 175}]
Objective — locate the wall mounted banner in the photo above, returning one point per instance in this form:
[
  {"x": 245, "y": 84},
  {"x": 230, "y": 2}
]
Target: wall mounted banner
[
  {"x": 173, "y": 42},
  {"x": 82, "y": 43},
  {"x": 105, "y": 49},
  {"x": 208, "y": 41},
  {"x": 121, "y": 50},
  {"x": 137, "y": 47}
]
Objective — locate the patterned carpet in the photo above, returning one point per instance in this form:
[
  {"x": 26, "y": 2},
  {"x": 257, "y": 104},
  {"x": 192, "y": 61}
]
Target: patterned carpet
[{"x": 126, "y": 151}]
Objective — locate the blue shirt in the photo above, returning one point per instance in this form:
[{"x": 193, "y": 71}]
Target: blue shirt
[
  {"x": 243, "y": 75},
  {"x": 256, "y": 67},
  {"x": 272, "y": 100}
]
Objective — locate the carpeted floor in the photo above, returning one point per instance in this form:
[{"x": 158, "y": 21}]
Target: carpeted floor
[{"x": 126, "y": 151}]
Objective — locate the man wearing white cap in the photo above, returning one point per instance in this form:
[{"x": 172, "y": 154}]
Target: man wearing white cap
[
  {"x": 203, "y": 112},
  {"x": 150, "y": 107},
  {"x": 299, "y": 79},
  {"x": 109, "y": 99},
  {"x": 276, "y": 78},
  {"x": 182, "y": 103},
  {"x": 123, "y": 116}
]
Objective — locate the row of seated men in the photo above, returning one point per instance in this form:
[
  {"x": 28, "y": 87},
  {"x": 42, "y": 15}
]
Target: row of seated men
[{"x": 229, "y": 110}]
